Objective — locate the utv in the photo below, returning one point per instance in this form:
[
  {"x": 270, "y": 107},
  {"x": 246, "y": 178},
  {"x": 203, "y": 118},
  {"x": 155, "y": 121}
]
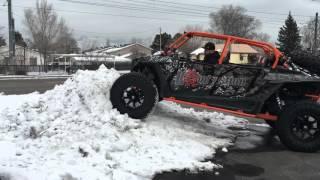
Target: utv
[{"x": 250, "y": 79}]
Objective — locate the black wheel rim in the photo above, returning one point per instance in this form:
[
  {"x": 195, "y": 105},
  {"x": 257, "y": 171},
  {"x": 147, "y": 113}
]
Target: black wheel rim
[
  {"x": 306, "y": 126},
  {"x": 133, "y": 97}
]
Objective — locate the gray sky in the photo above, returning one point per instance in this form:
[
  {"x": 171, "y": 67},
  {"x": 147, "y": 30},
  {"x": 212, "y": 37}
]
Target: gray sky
[{"x": 272, "y": 14}]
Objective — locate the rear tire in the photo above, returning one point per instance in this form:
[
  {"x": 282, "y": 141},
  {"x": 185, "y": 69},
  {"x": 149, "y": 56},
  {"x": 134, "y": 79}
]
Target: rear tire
[
  {"x": 134, "y": 94},
  {"x": 299, "y": 127},
  {"x": 272, "y": 124}
]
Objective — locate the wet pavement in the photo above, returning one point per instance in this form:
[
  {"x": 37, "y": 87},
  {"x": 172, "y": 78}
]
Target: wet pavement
[
  {"x": 256, "y": 155},
  {"x": 25, "y": 86}
]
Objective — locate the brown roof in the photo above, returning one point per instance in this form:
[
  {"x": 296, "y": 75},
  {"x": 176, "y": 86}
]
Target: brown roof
[{"x": 238, "y": 48}]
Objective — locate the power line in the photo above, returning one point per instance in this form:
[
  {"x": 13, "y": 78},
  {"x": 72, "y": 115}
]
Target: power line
[
  {"x": 136, "y": 8},
  {"x": 158, "y": 9},
  {"x": 111, "y": 33},
  {"x": 118, "y": 15},
  {"x": 140, "y": 4},
  {"x": 179, "y": 6},
  {"x": 209, "y": 7},
  {"x": 139, "y": 9},
  {"x": 165, "y": 6},
  {"x": 143, "y": 17},
  {"x": 266, "y": 23},
  {"x": 121, "y": 33}
]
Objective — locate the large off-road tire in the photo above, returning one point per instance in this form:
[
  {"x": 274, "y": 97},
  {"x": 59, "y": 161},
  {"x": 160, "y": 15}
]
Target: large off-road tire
[
  {"x": 272, "y": 124},
  {"x": 299, "y": 127},
  {"x": 134, "y": 94}
]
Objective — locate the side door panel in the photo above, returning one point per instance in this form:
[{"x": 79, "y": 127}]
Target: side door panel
[{"x": 226, "y": 85}]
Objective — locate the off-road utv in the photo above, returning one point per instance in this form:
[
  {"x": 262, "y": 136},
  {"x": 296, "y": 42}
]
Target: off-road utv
[{"x": 250, "y": 79}]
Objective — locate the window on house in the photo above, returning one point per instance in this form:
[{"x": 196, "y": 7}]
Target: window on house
[
  {"x": 33, "y": 61},
  {"x": 246, "y": 54},
  {"x": 241, "y": 57}
]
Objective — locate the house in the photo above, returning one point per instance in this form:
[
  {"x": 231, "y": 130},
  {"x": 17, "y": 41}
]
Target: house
[
  {"x": 239, "y": 53},
  {"x": 131, "y": 51},
  {"x": 120, "y": 57},
  {"x": 24, "y": 56},
  {"x": 84, "y": 59}
]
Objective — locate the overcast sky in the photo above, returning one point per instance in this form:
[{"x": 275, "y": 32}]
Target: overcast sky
[{"x": 172, "y": 17}]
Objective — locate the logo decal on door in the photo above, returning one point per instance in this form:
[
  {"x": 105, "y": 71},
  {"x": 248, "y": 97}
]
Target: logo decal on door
[{"x": 191, "y": 78}]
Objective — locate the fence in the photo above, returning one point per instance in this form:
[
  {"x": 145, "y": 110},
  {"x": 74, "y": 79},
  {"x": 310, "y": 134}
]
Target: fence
[{"x": 24, "y": 69}]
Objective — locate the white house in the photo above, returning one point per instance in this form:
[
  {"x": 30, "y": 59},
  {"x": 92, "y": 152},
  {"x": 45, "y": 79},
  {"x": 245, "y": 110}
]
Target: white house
[
  {"x": 130, "y": 51},
  {"x": 84, "y": 59},
  {"x": 110, "y": 55},
  {"x": 239, "y": 53},
  {"x": 24, "y": 56}
]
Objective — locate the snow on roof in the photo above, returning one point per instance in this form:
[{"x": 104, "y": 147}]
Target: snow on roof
[
  {"x": 100, "y": 59},
  {"x": 126, "y": 55},
  {"x": 119, "y": 58},
  {"x": 112, "y": 50},
  {"x": 158, "y": 53}
]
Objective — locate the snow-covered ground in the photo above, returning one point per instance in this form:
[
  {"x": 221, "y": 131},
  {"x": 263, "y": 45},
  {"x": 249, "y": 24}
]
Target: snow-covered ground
[{"x": 72, "y": 132}]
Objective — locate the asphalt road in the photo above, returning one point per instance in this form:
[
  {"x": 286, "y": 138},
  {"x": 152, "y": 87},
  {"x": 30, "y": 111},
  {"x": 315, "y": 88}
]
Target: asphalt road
[
  {"x": 26, "y": 86},
  {"x": 256, "y": 155}
]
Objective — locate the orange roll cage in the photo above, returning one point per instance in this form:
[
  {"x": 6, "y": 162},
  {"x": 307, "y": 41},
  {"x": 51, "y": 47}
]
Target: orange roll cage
[{"x": 228, "y": 40}]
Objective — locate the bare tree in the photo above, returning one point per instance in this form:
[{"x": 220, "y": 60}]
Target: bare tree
[
  {"x": 47, "y": 30},
  {"x": 43, "y": 27},
  {"x": 262, "y": 37},
  {"x": 233, "y": 20},
  {"x": 307, "y": 32},
  {"x": 2, "y": 39},
  {"x": 65, "y": 42},
  {"x": 193, "y": 43},
  {"x": 136, "y": 40},
  {"x": 107, "y": 43},
  {"x": 88, "y": 44}
]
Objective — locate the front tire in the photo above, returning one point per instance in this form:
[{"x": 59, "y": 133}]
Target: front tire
[
  {"x": 299, "y": 127},
  {"x": 272, "y": 124},
  {"x": 134, "y": 94}
]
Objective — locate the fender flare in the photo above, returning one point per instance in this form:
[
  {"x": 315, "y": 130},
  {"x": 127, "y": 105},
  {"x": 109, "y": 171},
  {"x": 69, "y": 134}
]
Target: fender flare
[{"x": 160, "y": 80}]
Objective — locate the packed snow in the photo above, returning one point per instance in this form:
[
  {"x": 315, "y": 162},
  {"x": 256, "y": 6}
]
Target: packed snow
[{"x": 72, "y": 132}]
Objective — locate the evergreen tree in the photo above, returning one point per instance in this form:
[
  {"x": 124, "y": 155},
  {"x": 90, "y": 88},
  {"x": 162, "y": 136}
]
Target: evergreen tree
[
  {"x": 166, "y": 39},
  {"x": 289, "y": 38},
  {"x": 19, "y": 39},
  {"x": 176, "y": 36}
]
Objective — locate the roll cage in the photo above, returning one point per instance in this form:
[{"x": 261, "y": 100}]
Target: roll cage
[{"x": 268, "y": 48}]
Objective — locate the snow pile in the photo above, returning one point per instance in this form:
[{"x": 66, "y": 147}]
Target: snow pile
[{"x": 72, "y": 132}]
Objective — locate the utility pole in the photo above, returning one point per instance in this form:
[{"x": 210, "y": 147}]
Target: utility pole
[
  {"x": 11, "y": 35},
  {"x": 160, "y": 40},
  {"x": 315, "y": 46}
]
